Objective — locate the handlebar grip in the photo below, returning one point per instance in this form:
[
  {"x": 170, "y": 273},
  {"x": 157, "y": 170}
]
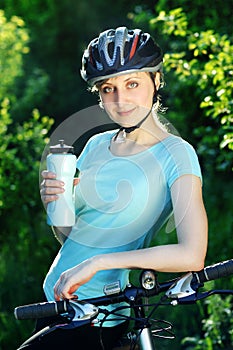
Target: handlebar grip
[
  {"x": 215, "y": 271},
  {"x": 40, "y": 310}
]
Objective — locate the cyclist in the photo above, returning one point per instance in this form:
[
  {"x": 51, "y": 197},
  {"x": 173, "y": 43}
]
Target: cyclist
[{"x": 131, "y": 181}]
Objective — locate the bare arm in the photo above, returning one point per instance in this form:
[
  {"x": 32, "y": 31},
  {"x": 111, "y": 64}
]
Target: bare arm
[
  {"x": 191, "y": 226},
  {"x": 187, "y": 255}
]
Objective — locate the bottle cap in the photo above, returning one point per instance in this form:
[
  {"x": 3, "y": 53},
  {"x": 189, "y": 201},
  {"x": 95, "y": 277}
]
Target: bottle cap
[{"x": 61, "y": 148}]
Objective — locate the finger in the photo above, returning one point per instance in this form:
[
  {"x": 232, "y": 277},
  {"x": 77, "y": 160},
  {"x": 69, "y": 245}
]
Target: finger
[
  {"x": 63, "y": 290},
  {"x": 59, "y": 288},
  {"x": 61, "y": 295},
  {"x": 74, "y": 297},
  {"x": 50, "y": 198},
  {"x": 52, "y": 183},
  {"x": 76, "y": 181},
  {"x": 51, "y": 191},
  {"x": 67, "y": 295},
  {"x": 46, "y": 174},
  {"x": 57, "y": 293},
  {"x": 45, "y": 190}
]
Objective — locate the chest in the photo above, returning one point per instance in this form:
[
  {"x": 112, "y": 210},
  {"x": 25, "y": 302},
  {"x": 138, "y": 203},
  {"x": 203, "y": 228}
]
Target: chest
[{"x": 114, "y": 183}]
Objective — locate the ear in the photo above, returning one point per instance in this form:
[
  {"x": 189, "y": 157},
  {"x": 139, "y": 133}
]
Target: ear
[{"x": 157, "y": 80}]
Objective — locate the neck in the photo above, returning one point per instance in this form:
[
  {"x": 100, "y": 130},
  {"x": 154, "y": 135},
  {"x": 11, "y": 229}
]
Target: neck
[{"x": 149, "y": 134}]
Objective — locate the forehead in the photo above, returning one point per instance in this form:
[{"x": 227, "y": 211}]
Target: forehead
[{"x": 126, "y": 77}]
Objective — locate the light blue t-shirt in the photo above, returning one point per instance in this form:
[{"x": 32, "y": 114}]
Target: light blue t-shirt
[{"x": 121, "y": 202}]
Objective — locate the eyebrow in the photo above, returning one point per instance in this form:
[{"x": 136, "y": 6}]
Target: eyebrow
[
  {"x": 126, "y": 80},
  {"x": 133, "y": 77}
]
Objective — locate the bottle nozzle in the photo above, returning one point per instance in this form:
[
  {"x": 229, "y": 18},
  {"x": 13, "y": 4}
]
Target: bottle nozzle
[{"x": 61, "y": 148}]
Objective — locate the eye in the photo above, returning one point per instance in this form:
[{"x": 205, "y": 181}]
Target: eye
[
  {"x": 132, "y": 85},
  {"x": 107, "y": 89}
]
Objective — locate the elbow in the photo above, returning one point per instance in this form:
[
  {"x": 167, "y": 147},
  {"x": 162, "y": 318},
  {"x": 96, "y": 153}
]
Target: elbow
[
  {"x": 196, "y": 263},
  {"x": 198, "y": 266},
  {"x": 195, "y": 257}
]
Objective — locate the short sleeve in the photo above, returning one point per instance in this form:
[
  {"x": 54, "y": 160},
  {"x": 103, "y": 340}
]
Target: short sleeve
[{"x": 183, "y": 160}]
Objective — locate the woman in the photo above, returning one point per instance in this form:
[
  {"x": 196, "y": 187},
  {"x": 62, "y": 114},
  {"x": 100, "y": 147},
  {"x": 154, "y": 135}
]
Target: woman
[{"x": 131, "y": 181}]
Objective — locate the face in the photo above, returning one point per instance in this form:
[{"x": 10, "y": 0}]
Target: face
[{"x": 128, "y": 98}]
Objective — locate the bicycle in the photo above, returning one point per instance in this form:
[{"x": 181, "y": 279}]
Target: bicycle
[{"x": 181, "y": 290}]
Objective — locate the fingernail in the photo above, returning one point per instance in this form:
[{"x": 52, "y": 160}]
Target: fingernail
[{"x": 74, "y": 297}]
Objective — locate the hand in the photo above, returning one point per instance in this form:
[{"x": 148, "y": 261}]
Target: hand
[
  {"x": 51, "y": 188},
  {"x": 72, "y": 279}
]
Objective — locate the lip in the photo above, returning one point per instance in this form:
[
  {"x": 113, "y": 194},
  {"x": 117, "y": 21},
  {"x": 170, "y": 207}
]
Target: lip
[{"x": 125, "y": 113}]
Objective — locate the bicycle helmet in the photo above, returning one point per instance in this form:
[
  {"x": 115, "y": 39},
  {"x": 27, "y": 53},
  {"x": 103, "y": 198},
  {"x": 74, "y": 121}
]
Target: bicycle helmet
[{"x": 117, "y": 51}]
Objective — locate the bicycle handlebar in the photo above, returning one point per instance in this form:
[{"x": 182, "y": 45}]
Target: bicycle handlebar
[
  {"x": 87, "y": 308},
  {"x": 40, "y": 310},
  {"x": 213, "y": 272}
]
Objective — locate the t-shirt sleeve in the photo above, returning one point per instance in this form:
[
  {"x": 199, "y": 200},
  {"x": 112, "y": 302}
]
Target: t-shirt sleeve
[{"x": 183, "y": 160}]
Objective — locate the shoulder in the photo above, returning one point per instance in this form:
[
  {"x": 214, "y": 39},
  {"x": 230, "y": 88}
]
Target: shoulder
[
  {"x": 179, "y": 158},
  {"x": 97, "y": 140},
  {"x": 102, "y": 137},
  {"x": 173, "y": 141},
  {"x": 176, "y": 146}
]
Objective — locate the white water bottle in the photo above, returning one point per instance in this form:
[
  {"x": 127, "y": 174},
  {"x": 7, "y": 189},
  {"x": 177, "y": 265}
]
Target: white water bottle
[{"x": 62, "y": 161}]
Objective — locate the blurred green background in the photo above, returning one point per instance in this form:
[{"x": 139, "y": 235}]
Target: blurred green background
[{"x": 41, "y": 44}]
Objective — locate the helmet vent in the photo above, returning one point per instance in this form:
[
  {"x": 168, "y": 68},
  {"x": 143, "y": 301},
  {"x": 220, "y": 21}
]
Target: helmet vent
[
  {"x": 111, "y": 50},
  {"x": 117, "y": 51}
]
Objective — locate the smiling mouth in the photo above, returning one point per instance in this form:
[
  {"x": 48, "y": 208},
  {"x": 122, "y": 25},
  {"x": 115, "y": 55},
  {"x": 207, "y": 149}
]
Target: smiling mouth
[{"x": 126, "y": 113}]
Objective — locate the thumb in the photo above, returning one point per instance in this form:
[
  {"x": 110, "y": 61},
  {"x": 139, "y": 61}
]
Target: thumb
[{"x": 76, "y": 181}]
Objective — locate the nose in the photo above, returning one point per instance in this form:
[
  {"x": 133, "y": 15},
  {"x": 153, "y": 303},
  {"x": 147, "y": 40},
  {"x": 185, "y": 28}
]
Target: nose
[{"x": 121, "y": 97}]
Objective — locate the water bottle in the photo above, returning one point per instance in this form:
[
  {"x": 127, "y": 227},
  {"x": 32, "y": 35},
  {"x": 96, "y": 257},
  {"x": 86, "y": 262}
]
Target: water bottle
[{"x": 62, "y": 161}]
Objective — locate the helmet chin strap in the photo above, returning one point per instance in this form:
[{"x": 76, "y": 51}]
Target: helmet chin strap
[
  {"x": 118, "y": 138},
  {"x": 121, "y": 138}
]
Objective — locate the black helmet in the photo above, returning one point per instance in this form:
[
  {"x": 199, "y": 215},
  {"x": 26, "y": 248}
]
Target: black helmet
[{"x": 118, "y": 51}]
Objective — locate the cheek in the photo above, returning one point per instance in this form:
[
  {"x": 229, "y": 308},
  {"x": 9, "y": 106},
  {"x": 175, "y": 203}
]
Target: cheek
[
  {"x": 146, "y": 98},
  {"x": 146, "y": 93},
  {"x": 108, "y": 105},
  {"x": 106, "y": 100}
]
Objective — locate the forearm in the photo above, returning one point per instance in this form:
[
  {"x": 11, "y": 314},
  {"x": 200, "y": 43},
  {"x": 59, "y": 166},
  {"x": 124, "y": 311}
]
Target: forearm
[{"x": 167, "y": 258}]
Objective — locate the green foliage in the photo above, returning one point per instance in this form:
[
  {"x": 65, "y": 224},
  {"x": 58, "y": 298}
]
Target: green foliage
[
  {"x": 217, "y": 326},
  {"x": 29, "y": 94},
  {"x": 59, "y": 31},
  {"x": 24, "y": 93},
  {"x": 202, "y": 14},
  {"x": 203, "y": 61},
  {"x": 13, "y": 44},
  {"x": 23, "y": 236},
  {"x": 19, "y": 159},
  {"x": 174, "y": 23}
]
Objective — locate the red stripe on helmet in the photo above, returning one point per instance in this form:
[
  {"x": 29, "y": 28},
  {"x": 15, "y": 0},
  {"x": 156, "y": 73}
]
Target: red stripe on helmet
[{"x": 133, "y": 48}]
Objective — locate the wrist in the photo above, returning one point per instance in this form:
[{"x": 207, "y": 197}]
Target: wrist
[{"x": 100, "y": 262}]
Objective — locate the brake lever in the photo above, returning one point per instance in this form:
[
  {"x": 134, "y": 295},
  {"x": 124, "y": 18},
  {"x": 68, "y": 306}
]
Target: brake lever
[
  {"x": 193, "y": 298},
  {"x": 182, "y": 287}
]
